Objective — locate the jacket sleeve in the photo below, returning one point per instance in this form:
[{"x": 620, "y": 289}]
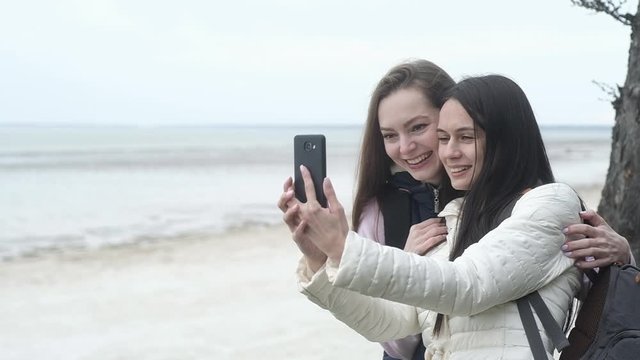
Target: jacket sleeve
[
  {"x": 376, "y": 319},
  {"x": 520, "y": 256}
]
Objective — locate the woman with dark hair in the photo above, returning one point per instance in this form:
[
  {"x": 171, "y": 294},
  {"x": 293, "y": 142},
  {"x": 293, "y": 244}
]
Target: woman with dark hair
[{"x": 490, "y": 146}]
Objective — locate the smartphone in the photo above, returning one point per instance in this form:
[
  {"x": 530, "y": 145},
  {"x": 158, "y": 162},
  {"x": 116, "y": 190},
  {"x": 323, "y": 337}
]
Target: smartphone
[{"x": 310, "y": 151}]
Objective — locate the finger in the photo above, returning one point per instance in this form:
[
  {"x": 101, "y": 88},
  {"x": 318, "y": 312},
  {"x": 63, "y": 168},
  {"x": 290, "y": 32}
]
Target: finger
[
  {"x": 309, "y": 188},
  {"x": 435, "y": 240},
  {"x": 584, "y": 264},
  {"x": 292, "y": 202},
  {"x": 292, "y": 217},
  {"x": 299, "y": 231},
  {"x": 288, "y": 183},
  {"x": 437, "y": 231},
  {"x": 597, "y": 247},
  {"x": 435, "y": 220},
  {"x": 332, "y": 198},
  {"x": 285, "y": 200},
  {"x": 574, "y": 245},
  {"x": 428, "y": 229},
  {"x": 430, "y": 243},
  {"x": 429, "y": 222},
  {"x": 592, "y": 218},
  {"x": 580, "y": 229},
  {"x": 592, "y": 252}
]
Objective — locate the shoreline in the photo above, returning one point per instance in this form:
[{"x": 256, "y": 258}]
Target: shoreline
[{"x": 590, "y": 194}]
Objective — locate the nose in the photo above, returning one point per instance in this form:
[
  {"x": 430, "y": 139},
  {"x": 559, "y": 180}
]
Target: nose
[
  {"x": 449, "y": 150},
  {"x": 406, "y": 145}
]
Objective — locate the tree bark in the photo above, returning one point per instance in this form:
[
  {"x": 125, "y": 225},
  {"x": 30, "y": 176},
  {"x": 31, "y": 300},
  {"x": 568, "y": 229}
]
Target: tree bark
[{"x": 620, "y": 201}]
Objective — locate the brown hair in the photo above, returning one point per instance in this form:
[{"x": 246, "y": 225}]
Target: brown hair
[{"x": 374, "y": 163}]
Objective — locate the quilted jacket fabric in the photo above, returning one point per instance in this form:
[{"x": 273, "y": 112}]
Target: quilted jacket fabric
[
  {"x": 385, "y": 293},
  {"x": 372, "y": 227}
]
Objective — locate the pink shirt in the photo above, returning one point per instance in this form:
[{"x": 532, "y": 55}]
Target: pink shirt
[{"x": 372, "y": 227}]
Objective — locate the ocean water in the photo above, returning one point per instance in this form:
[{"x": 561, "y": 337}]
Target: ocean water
[{"x": 87, "y": 187}]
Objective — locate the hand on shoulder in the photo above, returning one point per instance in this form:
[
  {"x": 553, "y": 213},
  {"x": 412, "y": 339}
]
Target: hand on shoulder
[{"x": 594, "y": 243}]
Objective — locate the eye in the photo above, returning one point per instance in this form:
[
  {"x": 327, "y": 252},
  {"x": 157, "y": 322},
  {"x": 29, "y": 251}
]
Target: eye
[
  {"x": 388, "y": 136},
  {"x": 418, "y": 127},
  {"x": 467, "y": 138},
  {"x": 443, "y": 139}
]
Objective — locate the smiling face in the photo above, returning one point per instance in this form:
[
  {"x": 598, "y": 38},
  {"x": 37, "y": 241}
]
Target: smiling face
[
  {"x": 408, "y": 123},
  {"x": 461, "y": 145}
]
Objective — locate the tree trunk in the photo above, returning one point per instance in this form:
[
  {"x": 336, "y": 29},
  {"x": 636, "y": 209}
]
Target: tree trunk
[{"x": 620, "y": 202}]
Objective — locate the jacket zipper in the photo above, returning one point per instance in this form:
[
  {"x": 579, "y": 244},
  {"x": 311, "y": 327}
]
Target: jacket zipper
[{"x": 436, "y": 201}]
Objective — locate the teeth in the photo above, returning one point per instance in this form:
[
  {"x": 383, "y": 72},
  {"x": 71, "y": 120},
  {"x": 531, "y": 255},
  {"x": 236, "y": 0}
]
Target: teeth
[
  {"x": 417, "y": 160},
  {"x": 460, "y": 169}
]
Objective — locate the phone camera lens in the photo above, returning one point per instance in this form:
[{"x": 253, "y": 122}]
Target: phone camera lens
[{"x": 308, "y": 146}]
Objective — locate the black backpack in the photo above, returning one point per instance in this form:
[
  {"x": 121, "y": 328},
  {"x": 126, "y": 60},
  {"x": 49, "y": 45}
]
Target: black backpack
[
  {"x": 608, "y": 323},
  {"x": 607, "y": 326}
]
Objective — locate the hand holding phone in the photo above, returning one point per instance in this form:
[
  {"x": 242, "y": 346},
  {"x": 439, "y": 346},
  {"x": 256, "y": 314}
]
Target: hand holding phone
[{"x": 310, "y": 151}]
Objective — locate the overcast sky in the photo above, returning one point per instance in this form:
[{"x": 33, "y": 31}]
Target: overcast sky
[{"x": 201, "y": 62}]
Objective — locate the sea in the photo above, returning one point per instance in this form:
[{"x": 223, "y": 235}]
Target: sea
[{"x": 86, "y": 187}]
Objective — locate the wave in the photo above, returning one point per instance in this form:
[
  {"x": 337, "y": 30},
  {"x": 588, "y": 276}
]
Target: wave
[
  {"x": 93, "y": 188},
  {"x": 99, "y": 237}
]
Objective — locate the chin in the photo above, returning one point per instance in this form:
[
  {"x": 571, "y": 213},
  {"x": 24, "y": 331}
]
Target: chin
[
  {"x": 431, "y": 175},
  {"x": 459, "y": 185},
  {"x": 426, "y": 177}
]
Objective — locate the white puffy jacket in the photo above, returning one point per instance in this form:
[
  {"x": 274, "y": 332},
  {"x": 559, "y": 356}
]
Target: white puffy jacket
[{"x": 385, "y": 293}]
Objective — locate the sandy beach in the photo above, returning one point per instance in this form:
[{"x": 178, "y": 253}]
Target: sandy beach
[
  {"x": 232, "y": 296},
  {"x": 229, "y": 297}
]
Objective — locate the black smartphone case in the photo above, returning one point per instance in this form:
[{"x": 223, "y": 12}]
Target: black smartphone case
[{"x": 310, "y": 151}]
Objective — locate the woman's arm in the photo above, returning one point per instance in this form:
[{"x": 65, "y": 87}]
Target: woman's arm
[
  {"x": 376, "y": 319},
  {"x": 519, "y": 256}
]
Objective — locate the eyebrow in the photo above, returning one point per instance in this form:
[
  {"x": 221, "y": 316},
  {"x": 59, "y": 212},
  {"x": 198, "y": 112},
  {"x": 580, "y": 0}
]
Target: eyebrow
[
  {"x": 459, "y": 130},
  {"x": 410, "y": 122}
]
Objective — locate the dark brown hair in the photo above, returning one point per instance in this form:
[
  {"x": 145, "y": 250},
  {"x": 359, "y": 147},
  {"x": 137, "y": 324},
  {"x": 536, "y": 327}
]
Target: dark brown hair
[
  {"x": 515, "y": 158},
  {"x": 374, "y": 163}
]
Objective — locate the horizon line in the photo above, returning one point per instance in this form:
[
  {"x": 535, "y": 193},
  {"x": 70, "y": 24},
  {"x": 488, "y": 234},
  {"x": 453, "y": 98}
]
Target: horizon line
[{"x": 245, "y": 125}]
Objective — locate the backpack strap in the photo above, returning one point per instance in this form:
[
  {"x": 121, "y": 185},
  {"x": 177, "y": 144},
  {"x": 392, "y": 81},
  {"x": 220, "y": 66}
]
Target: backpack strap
[
  {"x": 531, "y": 329},
  {"x": 554, "y": 331},
  {"x": 525, "y": 303}
]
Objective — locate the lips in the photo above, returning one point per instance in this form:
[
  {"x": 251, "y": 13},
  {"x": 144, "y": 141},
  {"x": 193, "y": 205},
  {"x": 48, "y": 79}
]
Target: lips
[
  {"x": 417, "y": 160},
  {"x": 458, "y": 169}
]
